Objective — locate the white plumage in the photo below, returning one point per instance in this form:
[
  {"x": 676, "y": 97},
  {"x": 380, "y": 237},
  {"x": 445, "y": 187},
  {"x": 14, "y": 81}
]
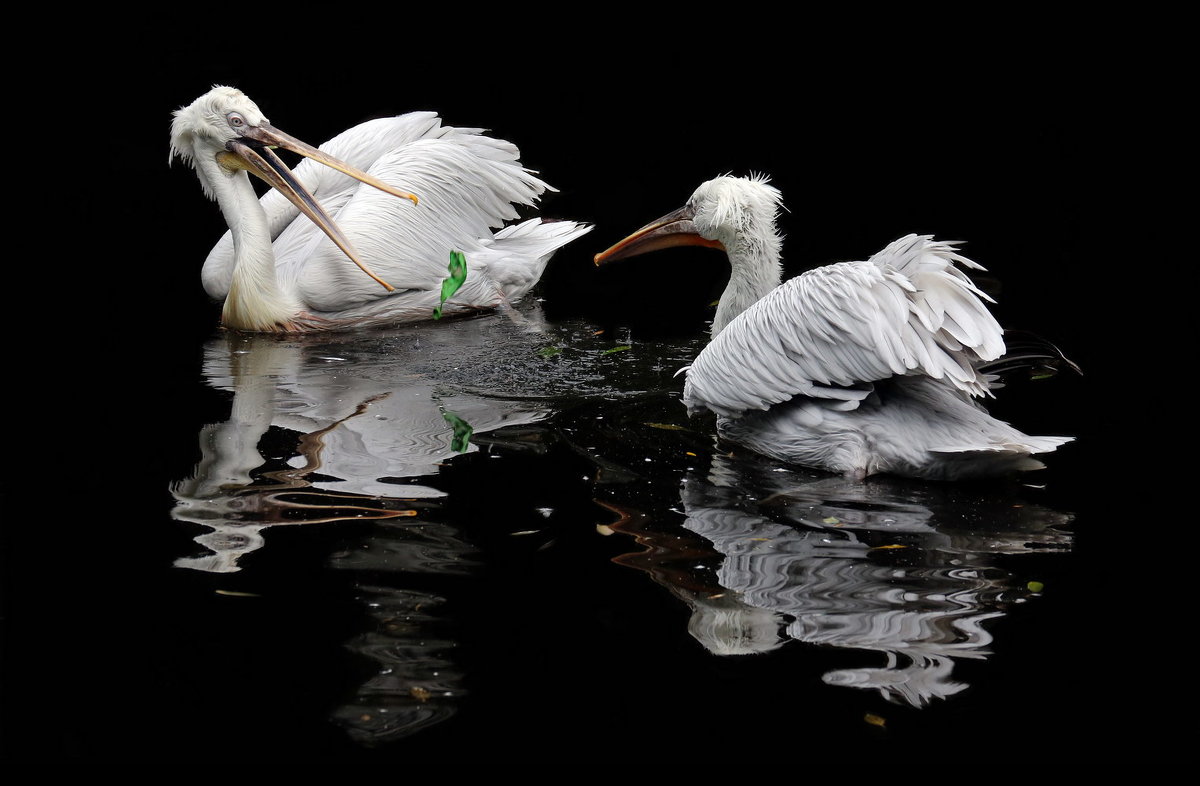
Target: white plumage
[
  {"x": 277, "y": 273},
  {"x": 857, "y": 367}
]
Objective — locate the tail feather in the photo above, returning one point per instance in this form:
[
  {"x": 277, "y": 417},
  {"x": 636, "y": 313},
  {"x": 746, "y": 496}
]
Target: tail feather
[
  {"x": 1030, "y": 355},
  {"x": 1028, "y": 445},
  {"x": 517, "y": 255}
]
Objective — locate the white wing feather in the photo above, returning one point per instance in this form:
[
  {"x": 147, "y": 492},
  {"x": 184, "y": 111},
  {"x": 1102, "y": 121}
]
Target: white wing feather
[{"x": 831, "y": 331}]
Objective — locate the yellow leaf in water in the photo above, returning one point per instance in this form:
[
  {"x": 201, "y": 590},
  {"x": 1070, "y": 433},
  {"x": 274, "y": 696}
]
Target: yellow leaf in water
[
  {"x": 892, "y": 546},
  {"x": 419, "y": 693},
  {"x": 667, "y": 426},
  {"x": 875, "y": 720}
]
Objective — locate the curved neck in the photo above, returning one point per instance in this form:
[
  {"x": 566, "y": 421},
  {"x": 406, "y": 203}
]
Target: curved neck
[
  {"x": 255, "y": 300},
  {"x": 756, "y": 271}
]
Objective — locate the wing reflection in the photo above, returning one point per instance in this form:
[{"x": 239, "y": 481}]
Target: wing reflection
[{"x": 910, "y": 570}]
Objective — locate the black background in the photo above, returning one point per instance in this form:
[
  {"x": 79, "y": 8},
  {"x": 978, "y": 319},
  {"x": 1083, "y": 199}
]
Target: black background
[
  {"x": 991, "y": 139},
  {"x": 998, "y": 147}
]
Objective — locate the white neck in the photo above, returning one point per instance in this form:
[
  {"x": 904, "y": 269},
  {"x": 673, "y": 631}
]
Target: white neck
[
  {"x": 756, "y": 271},
  {"x": 255, "y": 300}
]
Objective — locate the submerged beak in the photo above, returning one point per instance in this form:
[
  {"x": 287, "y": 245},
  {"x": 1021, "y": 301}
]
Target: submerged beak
[
  {"x": 255, "y": 155},
  {"x": 673, "y": 229}
]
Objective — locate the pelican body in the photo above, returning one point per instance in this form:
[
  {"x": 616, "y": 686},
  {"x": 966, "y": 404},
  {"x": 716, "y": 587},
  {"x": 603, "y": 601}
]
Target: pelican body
[
  {"x": 386, "y": 203},
  {"x": 858, "y": 368}
]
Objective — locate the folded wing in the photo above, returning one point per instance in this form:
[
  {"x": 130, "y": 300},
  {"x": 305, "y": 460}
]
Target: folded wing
[{"x": 831, "y": 332}]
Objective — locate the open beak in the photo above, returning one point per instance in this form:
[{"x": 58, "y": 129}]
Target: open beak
[
  {"x": 254, "y": 154},
  {"x": 673, "y": 229}
]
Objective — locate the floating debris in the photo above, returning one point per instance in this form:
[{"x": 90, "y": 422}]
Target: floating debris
[
  {"x": 621, "y": 348},
  {"x": 549, "y": 352},
  {"x": 462, "y": 432},
  {"x": 875, "y": 720},
  {"x": 1035, "y": 586},
  {"x": 450, "y": 285},
  {"x": 234, "y": 594},
  {"x": 667, "y": 426}
]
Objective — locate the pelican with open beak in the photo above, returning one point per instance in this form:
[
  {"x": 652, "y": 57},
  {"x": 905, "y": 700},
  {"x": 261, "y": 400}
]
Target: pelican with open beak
[{"x": 358, "y": 192}]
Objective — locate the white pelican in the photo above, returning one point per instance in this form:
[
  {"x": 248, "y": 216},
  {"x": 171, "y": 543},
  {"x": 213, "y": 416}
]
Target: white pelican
[
  {"x": 279, "y": 274},
  {"x": 856, "y": 367}
]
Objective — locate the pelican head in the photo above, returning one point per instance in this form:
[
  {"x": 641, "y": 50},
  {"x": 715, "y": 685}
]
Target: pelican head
[
  {"x": 223, "y": 133},
  {"x": 209, "y": 125},
  {"x": 734, "y": 214},
  {"x": 736, "y": 210}
]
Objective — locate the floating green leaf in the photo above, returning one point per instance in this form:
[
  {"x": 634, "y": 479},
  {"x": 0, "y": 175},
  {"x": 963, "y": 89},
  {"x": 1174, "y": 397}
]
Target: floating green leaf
[
  {"x": 616, "y": 349},
  {"x": 1036, "y": 586},
  {"x": 462, "y": 432},
  {"x": 549, "y": 352},
  {"x": 450, "y": 285}
]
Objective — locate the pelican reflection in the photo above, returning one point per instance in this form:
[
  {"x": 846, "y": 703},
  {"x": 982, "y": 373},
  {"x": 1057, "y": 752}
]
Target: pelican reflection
[
  {"x": 322, "y": 431},
  {"x": 910, "y": 570}
]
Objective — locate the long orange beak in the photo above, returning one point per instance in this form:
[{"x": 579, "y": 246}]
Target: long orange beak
[{"x": 673, "y": 229}]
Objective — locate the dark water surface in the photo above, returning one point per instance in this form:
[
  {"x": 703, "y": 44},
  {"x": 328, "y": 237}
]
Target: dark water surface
[{"x": 299, "y": 561}]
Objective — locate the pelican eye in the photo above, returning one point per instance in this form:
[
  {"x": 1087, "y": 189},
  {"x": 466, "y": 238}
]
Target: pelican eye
[{"x": 235, "y": 120}]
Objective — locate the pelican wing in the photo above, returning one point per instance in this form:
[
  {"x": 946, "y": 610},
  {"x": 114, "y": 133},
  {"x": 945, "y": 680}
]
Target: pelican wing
[
  {"x": 468, "y": 184},
  {"x": 361, "y": 146},
  {"x": 831, "y": 332}
]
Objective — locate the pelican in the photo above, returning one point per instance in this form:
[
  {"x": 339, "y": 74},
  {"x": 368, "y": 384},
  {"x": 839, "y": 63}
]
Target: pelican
[
  {"x": 387, "y": 203},
  {"x": 857, "y": 368}
]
